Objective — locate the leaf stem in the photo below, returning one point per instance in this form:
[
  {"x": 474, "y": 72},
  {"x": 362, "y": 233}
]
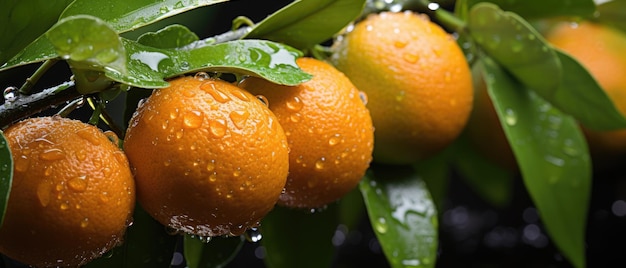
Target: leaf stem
[
  {"x": 444, "y": 17},
  {"x": 32, "y": 80}
]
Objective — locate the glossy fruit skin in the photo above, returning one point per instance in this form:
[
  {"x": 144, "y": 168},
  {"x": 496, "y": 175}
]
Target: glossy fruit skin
[
  {"x": 209, "y": 158},
  {"x": 329, "y": 131},
  {"x": 600, "y": 49},
  {"x": 416, "y": 78},
  {"x": 72, "y": 195}
]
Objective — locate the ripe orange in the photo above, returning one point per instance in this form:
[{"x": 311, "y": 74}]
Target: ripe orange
[
  {"x": 600, "y": 49},
  {"x": 417, "y": 79},
  {"x": 72, "y": 195},
  {"x": 209, "y": 158},
  {"x": 329, "y": 131}
]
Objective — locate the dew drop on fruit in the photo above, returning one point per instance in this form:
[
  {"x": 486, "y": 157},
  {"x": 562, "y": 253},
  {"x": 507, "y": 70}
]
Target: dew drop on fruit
[
  {"x": 400, "y": 44},
  {"x": 239, "y": 118},
  {"x": 218, "y": 128},
  {"x": 10, "y": 94},
  {"x": 295, "y": 117},
  {"x": 192, "y": 119},
  {"x": 219, "y": 96},
  {"x": 52, "y": 154},
  {"x": 294, "y": 104},
  {"x": 84, "y": 223},
  {"x": 78, "y": 184},
  {"x": 363, "y": 97},
  {"x": 202, "y": 76},
  {"x": 334, "y": 140},
  {"x": 319, "y": 164},
  {"x": 240, "y": 95},
  {"x": 253, "y": 235},
  {"x": 44, "y": 190},
  {"x": 88, "y": 136}
]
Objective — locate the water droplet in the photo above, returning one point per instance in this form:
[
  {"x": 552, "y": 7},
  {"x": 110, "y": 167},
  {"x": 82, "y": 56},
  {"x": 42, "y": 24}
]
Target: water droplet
[
  {"x": 433, "y": 6},
  {"x": 213, "y": 177},
  {"x": 210, "y": 166},
  {"x": 400, "y": 96},
  {"x": 202, "y": 76},
  {"x": 237, "y": 172},
  {"x": 253, "y": 235},
  {"x": 319, "y": 164},
  {"x": 104, "y": 197},
  {"x": 240, "y": 95},
  {"x": 554, "y": 160},
  {"x": 410, "y": 58},
  {"x": 10, "y": 94},
  {"x": 78, "y": 184},
  {"x": 510, "y": 118},
  {"x": 218, "y": 128},
  {"x": 189, "y": 93},
  {"x": 44, "y": 190},
  {"x": 334, "y": 140},
  {"x": 88, "y": 136},
  {"x": 400, "y": 44},
  {"x": 411, "y": 263},
  {"x": 209, "y": 87},
  {"x": 380, "y": 225},
  {"x": 52, "y": 154},
  {"x": 164, "y": 10},
  {"x": 363, "y": 97},
  {"x": 64, "y": 206},
  {"x": 294, "y": 104},
  {"x": 84, "y": 223},
  {"x": 192, "y": 119},
  {"x": 263, "y": 100},
  {"x": 239, "y": 118}
]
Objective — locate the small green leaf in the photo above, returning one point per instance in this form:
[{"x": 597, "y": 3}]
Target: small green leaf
[
  {"x": 148, "y": 66},
  {"x": 124, "y": 15},
  {"x": 553, "y": 157},
  {"x": 493, "y": 183},
  {"x": 291, "y": 236},
  {"x": 613, "y": 13},
  {"x": 581, "y": 96},
  {"x": 40, "y": 50},
  {"x": 6, "y": 175},
  {"x": 146, "y": 244},
  {"x": 402, "y": 214},
  {"x": 21, "y": 22},
  {"x": 513, "y": 43},
  {"x": 306, "y": 23},
  {"x": 172, "y": 36},
  {"x": 217, "y": 252},
  {"x": 544, "y": 9},
  {"x": 88, "y": 41}
]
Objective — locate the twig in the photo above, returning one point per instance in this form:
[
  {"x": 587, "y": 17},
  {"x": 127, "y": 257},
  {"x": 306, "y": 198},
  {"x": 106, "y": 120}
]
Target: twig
[{"x": 32, "y": 80}]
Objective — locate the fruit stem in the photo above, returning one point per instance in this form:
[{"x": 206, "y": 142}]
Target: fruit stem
[
  {"x": 447, "y": 19},
  {"x": 32, "y": 80}
]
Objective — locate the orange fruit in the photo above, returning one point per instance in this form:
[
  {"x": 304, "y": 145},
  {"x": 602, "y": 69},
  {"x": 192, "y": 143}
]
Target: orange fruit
[
  {"x": 329, "y": 131},
  {"x": 600, "y": 49},
  {"x": 417, "y": 79},
  {"x": 72, "y": 195},
  {"x": 209, "y": 158}
]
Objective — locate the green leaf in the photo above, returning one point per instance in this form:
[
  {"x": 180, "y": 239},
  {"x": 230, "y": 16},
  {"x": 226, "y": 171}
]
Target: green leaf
[
  {"x": 543, "y": 9},
  {"x": 217, "y": 252},
  {"x": 306, "y": 23},
  {"x": 434, "y": 171},
  {"x": 291, "y": 236},
  {"x": 581, "y": 96},
  {"x": 493, "y": 183},
  {"x": 148, "y": 66},
  {"x": 172, "y": 36},
  {"x": 124, "y": 15},
  {"x": 513, "y": 43},
  {"x": 613, "y": 13},
  {"x": 553, "y": 157},
  {"x": 402, "y": 214},
  {"x": 21, "y": 22},
  {"x": 40, "y": 50},
  {"x": 6, "y": 175},
  {"x": 146, "y": 244}
]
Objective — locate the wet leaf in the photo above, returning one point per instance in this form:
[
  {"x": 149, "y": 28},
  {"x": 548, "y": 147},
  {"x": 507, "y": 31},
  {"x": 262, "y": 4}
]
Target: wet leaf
[
  {"x": 553, "y": 157},
  {"x": 543, "y": 9},
  {"x": 613, "y": 13},
  {"x": 21, "y": 22},
  {"x": 492, "y": 183},
  {"x": 291, "y": 236},
  {"x": 172, "y": 36},
  {"x": 124, "y": 15},
  {"x": 37, "y": 51},
  {"x": 581, "y": 96},
  {"x": 402, "y": 214},
  {"x": 148, "y": 66},
  {"x": 217, "y": 252},
  {"x": 6, "y": 174},
  {"x": 306, "y": 23},
  {"x": 146, "y": 244},
  {"x": 513, "y": 43}
]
